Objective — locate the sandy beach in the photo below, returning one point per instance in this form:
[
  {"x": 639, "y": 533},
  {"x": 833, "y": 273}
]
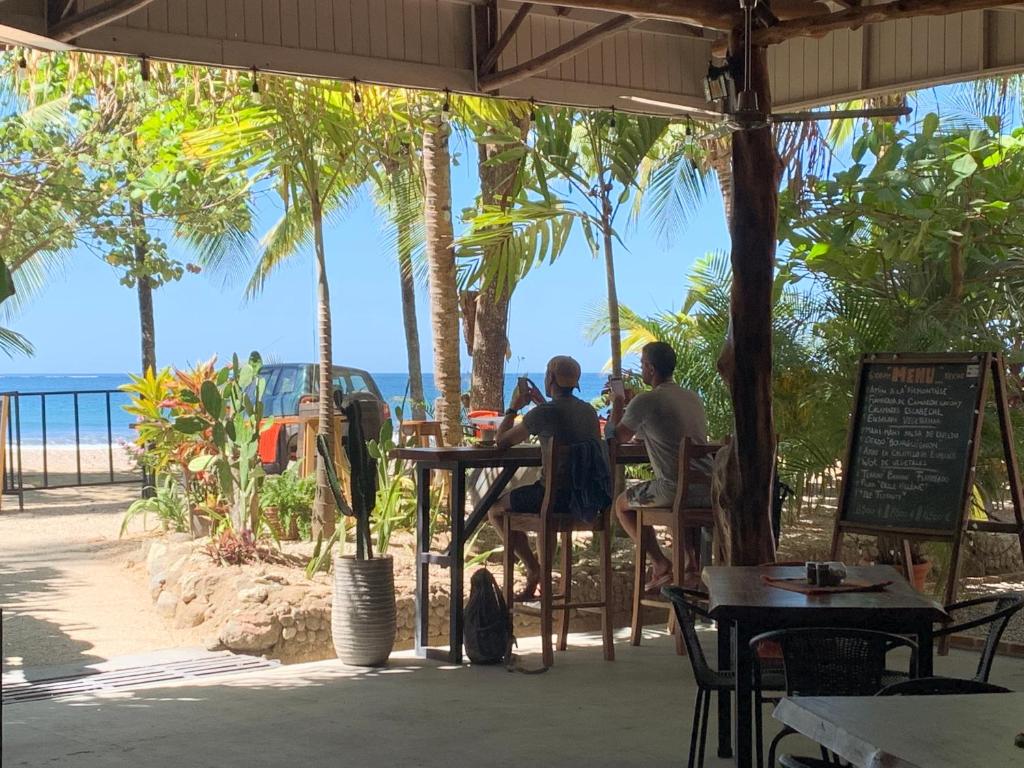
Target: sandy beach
[{"x": 96, "y": 463}]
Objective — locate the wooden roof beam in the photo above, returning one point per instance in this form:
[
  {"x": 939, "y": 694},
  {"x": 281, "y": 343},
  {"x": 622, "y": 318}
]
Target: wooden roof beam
[
  {"x": 93, "y": 18},
  {"x": 506, "y": 37},
  {"x": 536, "y": 65},
  {"x": 699, "y": 13},
  {"x": 857, "y": 15}
]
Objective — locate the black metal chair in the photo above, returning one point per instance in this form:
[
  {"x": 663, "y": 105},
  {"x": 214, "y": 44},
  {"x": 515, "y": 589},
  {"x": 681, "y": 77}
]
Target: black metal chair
[
  {"x": 940, "y": 686},
  {"x": 824, "y": 661},
  {"x": 1007, "y": 605},
  {"x": 686, "y": 604}
]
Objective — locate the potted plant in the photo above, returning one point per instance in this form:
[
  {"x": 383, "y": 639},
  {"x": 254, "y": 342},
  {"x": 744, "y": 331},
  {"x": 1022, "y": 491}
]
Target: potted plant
[
  {"x": 891, "y": 552},
  {"x": 286, "y": 501},
  {"x": 363, "y": 607}
]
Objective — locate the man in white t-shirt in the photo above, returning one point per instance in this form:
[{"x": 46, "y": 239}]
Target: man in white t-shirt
[{"x": 661, "y": 418}]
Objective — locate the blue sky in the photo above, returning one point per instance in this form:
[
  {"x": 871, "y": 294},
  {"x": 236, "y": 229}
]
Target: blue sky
[{"x": 86, "y": 322}]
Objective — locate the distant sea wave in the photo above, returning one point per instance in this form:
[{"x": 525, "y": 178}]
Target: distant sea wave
[{"x": 92, "y": 406}]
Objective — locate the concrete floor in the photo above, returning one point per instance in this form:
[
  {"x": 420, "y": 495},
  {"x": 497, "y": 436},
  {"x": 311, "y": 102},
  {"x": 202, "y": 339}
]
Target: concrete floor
[{"x": 583, "y": 712}]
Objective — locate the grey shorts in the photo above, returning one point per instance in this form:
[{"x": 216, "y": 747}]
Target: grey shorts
[{"x": 662, "y": 493}]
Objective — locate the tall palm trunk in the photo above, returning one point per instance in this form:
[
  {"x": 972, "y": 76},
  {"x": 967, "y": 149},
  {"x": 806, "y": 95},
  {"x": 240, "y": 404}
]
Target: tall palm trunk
[
  {"x": 614, "y": 328},
  {"x": 444, "y": 302},
  {"x": 409, "y": 322},
  {"x": 323, "y": 507},
  {"x": 490, "y": 339},
  {"x": 144, "y": 288}
]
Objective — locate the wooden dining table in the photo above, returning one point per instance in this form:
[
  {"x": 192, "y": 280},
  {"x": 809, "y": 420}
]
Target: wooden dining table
[
  {"x": 744, "y": 605},
  {"x": 458, "y": 460},
  {"x": 912, "y": 731}
]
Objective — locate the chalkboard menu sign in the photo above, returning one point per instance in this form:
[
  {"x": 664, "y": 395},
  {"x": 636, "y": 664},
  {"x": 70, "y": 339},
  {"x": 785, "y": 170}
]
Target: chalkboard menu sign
[{"x": 911, "y": 441}]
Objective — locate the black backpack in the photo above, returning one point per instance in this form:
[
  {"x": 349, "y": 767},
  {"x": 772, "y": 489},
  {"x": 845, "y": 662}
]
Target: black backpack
[{"x": 488, "y": 631}]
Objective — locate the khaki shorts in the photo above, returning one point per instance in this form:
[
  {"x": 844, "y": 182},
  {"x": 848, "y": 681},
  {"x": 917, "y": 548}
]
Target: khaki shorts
[{"x": 662, "y": 493}]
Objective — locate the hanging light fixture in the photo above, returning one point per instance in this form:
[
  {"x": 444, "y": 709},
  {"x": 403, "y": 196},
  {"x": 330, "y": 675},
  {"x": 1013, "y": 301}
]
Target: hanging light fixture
[
  {"x": 144, "y": 68},
  {"x": 446, "y": 107},
  {"x": 357, "y": 97}
]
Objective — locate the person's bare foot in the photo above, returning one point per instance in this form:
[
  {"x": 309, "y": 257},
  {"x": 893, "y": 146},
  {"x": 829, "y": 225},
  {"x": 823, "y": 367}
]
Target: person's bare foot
[
  {"x": 660, "y": 577},
  {"x": 529, "y": 591}
]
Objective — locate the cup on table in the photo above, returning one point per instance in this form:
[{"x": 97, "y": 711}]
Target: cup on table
[{"x": 487, "y": 436}]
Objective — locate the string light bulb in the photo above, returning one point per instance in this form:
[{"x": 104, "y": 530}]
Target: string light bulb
[
  {"x": 446, "y": 107},
  {"x": 689, "y": 127},
  {"x": 144, "y": 68},
  {"x": 357, "y": 97},
  {"x": 255, "y": 85},
  {"x": 22, "y": 62},
  {"x": 533, "y": 112},
  {"x": 613, "y": 128}
]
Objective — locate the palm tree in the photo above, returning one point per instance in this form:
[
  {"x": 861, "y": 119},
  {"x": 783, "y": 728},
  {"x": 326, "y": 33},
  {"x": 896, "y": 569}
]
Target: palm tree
[
  {"x": 444, "y": 302},
  {"x": 499, "y": 128},
  {"x": 391, "y": 141},
  {"x": 303, "y": 136}
]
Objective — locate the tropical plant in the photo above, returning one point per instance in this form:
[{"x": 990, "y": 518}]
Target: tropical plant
[
  {"x": 96, "y": 161},
  {"x": 395, "y": 503},
  {"x": 499, "y": 127},
  {"x": 304, "y": 137},
  {"x": 203, "y": 425},
  {"x": 168, "y": 502},
  {"x": 916, "y": 247},
  {"x": 230, "y": 422},
  {"x": 291, "y": 497},
  {"x": 231, "y": 547},
  {"x": 595, "y": 157}
]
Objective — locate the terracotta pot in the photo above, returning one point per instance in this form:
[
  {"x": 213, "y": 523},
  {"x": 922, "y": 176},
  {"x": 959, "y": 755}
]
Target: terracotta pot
[
  {"x": 919, "y": 572},
  {"x": 273, "y": 519},
  {"x": 363, "y": 610}
]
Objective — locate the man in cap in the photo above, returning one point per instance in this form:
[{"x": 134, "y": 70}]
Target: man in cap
[{"x": 565, "y": 418}]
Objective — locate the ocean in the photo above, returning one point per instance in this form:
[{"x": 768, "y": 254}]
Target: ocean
[{"x": 92, "y": 402}]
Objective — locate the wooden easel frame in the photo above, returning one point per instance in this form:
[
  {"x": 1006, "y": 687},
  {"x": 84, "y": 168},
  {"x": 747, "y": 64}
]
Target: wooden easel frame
[{"x": 991, "y": 364}]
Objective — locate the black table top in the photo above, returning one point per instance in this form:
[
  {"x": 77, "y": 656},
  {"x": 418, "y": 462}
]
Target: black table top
[{"x": 740, "y": 592}]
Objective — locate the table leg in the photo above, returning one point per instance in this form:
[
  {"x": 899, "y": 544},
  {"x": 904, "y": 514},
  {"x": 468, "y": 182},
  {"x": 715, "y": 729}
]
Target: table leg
[
  {"x": 480, "y": 511},
  {"x": 925, "y": 652},
  {"x": 421, "y": 625},
  {"x": 743, "y": 665},
  {"x": 724, "y": 697},
  {"x": 456, "y": 563}
]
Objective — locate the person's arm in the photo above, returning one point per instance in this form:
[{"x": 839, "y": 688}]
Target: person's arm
[
  {"x": 621, "y": 428},
  {"x": 509, "y": 432}
]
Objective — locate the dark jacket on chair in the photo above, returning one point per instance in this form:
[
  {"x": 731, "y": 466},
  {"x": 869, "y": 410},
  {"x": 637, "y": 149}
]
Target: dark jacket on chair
[{"x": 589, "y": 479}]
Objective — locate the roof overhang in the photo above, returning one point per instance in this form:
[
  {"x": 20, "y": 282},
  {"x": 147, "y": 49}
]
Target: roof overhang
[{"x": 638, "y": 55}]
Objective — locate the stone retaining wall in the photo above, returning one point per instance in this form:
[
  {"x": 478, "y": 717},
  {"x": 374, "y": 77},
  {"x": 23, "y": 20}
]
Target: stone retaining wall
[{"x": 275, "y": 611}]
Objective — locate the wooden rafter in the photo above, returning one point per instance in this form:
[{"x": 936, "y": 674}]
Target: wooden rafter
[
  {"x": 506, "y": 37},
  {"x": 699, "y": 13},
  {"x": 857, "y": 15},
  {"x": 93, "y": 18},
  {"x": 536, "y": 65}
]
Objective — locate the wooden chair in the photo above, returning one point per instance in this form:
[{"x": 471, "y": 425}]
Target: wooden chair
[
  {"x": 677, "y": 519},
  {"x": 422, "y": 431},
  {"x": 548, "y": 524}
]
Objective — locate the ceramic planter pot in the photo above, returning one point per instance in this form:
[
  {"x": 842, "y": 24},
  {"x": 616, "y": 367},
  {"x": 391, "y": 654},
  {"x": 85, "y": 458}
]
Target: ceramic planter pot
[
  {"x": 363, "y": 610},
  {"x": 918, "y": 573}
]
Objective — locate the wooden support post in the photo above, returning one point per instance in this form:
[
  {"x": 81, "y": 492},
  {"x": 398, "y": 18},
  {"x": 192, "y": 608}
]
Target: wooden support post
[{"x": 746, "y": 361}]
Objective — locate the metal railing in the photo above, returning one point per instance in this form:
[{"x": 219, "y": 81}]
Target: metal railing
[{"x": 17, "y": 479}]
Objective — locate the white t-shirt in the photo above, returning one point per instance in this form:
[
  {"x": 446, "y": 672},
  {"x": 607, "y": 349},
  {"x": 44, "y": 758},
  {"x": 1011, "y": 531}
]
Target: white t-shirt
[{"x": 662, "y": 418}]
